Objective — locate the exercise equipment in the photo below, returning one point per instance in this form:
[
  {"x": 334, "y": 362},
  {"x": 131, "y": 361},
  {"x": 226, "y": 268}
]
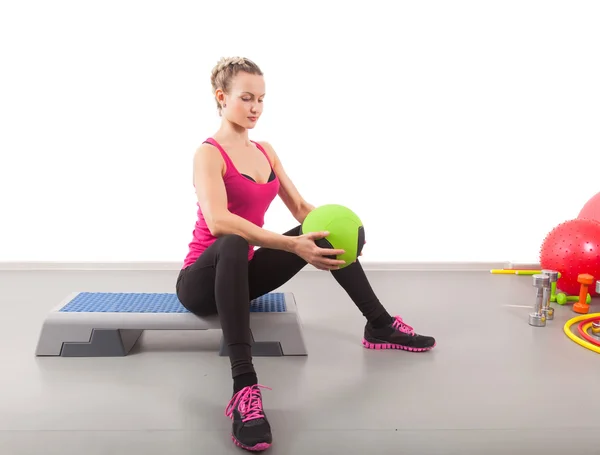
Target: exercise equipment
[
  {"x": 585, "y": 280},
  {"x": 563, "y": 299},
  {"x": 514, "y": 272},
  {"x": 572, "y": 248},
  {"x": 102, "y": 324},
  {"x": 541, "y": 283},
  {"x": 586, "y": 344},
  {"x": 583, "y": 328},
  {"x": 591, "y": 209},
  {"x": 346, "y": 231},
  {"x": 547, "y": 310}
]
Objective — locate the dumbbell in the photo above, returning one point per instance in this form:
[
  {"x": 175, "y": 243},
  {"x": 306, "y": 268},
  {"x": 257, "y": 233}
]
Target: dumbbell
[
  {"x": 553, "y": 289},
  {"x": 585, "y": 280},
  {"x": 562, "y": 298},
  {"x": 541, "y": 283},
  {"x": 596, "y": 330},
  {"x": 546, "y": 308},
  {"x": 596, "y": 324}
]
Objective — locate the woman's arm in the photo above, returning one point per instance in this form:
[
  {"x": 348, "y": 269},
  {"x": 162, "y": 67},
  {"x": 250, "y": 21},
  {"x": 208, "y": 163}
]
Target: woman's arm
[
  {"x": 288, "y": 192},
  {"x": 212, "y": 198}
]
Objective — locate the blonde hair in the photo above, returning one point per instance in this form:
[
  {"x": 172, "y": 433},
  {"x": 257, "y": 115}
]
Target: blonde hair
[{"x": 226, "y": 69}]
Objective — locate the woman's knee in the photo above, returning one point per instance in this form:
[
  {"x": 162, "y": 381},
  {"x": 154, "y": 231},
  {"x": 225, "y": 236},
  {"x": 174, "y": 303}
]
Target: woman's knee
[
  {"x": 294, "y": 232},
  {"x": 233, "y": 243}
]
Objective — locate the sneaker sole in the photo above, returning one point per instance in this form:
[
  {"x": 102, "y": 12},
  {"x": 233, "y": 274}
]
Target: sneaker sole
[
  {"x": 255, "y": 448},
  {"x": 381, "y": 346}
]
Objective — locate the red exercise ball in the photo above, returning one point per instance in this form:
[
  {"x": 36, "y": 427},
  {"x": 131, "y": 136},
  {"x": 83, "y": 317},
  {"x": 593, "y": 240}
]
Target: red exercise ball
[
  {"x": 591, "y": 209},
  {"x": 572, "y": 248}
]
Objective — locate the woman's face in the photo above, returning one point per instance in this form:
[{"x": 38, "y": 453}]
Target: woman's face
[{"x": 244, "y": 104}]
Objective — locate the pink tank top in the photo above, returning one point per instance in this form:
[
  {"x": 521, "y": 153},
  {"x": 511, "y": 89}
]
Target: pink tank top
[{"x": 245, "y": 198}]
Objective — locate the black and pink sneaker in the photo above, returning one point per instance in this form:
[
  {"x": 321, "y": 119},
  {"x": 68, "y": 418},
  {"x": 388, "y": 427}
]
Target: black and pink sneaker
[
  {"x": 397, "y": 335},
  {"x": 250, "y": 428}
]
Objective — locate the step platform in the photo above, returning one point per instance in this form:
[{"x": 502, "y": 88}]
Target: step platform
[{"x": 108, "y": 324}]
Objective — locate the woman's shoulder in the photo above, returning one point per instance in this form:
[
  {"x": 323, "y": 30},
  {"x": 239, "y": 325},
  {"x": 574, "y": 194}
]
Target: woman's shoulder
[
  {"x": 206, "y": 150},
  {"x": 268, "y": 148},
  {"x": 209, "y": 156}
]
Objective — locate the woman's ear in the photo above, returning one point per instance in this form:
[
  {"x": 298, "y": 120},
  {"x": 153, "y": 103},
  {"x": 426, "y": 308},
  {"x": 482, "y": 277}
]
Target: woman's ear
[{"x": 220, "y": 96}]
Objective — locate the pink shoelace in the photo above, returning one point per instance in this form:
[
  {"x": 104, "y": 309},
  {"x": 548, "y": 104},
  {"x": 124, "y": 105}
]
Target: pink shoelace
[
  {"x": 401, "y": 326},
  {"x": 248, "y": 402}
]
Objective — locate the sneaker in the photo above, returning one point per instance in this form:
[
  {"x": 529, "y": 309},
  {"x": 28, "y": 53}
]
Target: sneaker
[
  {"x": 397, "y": 335},
  {"x": 250, "y": 428}
]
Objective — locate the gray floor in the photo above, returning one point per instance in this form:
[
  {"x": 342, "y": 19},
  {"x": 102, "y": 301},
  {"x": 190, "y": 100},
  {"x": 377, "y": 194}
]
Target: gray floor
[{"x": 493, "y": 385}]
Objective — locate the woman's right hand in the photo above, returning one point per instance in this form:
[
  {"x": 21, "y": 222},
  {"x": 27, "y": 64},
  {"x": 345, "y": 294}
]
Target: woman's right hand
[{"x": 307, "y": 249}]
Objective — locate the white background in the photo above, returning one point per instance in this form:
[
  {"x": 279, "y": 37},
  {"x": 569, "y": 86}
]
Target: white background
[{"x": 457, "y": 130}]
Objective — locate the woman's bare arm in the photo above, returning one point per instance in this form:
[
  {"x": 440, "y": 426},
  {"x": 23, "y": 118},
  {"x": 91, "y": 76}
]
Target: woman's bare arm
[
  {"x": 212, "y": 198},
  {"x": 288, "y": 192}
]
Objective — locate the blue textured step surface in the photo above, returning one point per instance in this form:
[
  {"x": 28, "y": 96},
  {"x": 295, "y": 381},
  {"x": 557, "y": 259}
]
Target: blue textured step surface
[{"x": 129, "y": 302}]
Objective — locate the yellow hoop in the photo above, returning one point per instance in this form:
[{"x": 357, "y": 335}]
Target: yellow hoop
[{"x": 580, "y": 341}]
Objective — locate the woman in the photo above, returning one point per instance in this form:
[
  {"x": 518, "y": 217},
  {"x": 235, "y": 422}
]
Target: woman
[{"x": 236, "y": 180}]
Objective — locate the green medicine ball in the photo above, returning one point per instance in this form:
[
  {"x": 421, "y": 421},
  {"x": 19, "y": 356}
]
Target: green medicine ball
[{"x": 346, "y": 231}]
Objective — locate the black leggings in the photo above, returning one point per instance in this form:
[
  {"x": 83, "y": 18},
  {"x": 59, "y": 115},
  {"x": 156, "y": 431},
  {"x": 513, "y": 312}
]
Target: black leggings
[{"x": 222, "y": 281}]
